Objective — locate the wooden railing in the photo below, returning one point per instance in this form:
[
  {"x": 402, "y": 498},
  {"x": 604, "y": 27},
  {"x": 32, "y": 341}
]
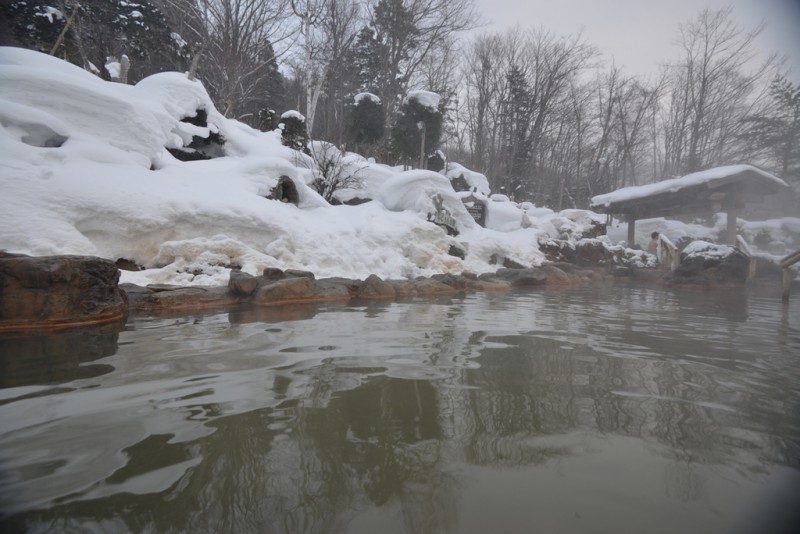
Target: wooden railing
[
  {"x": 669, "y": 254},
  {"x": 787, "y": 262}
]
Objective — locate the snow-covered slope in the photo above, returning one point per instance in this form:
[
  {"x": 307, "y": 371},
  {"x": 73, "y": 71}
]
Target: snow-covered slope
[{"x": 84, "y": 169}]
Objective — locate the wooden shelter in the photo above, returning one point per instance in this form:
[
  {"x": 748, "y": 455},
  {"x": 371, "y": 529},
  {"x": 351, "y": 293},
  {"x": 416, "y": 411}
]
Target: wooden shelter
[{"x": 719, "y": 189}]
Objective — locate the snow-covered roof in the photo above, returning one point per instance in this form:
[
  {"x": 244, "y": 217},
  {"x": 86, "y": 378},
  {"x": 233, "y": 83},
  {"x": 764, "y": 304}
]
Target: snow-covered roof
[{"x": 689, "y": 192}]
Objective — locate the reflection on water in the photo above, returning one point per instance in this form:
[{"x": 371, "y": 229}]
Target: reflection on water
[{"x": 613, "y": 410}]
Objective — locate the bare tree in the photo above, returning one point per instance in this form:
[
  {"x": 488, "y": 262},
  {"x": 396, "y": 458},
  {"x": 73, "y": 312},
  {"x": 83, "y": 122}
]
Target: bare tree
[
  {"x": 712, "y": 89},
  {"x": 329, "y": 28},
  {"x": 407, "y": 34},
  {"x": 237, "y": 40}
]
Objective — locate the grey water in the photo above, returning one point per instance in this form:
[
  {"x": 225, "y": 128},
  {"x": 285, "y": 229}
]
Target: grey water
[{"x": 602, "y": 410}]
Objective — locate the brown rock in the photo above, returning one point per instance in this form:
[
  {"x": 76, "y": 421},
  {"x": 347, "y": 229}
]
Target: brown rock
[
  {"x": 522, "y": 277},
  {"x": 375, "y": 288},
  {"x": 555, "y": 276},
  {"x": 286, "y": 290},
  {"x": 592, "y": 252},
  {"x": 330, "y": 289},
  {"x": 272, "y": 274},
  {"x": 456, "y": 282},
  {"x": 242, "y": 284},
  {"x": 138, "y": 296},
  {"x": 403, "y": 288},
  {"x": 429, "y": 286},
  {"x": 297, "y": 273},
  {"x": 194, "y": 297},
  {"x": 55, "y": 291},
  {"x": 490, "y": 284}
]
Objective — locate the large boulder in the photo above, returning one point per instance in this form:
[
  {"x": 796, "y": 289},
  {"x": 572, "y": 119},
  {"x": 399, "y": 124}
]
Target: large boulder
[
  {"x": 297, "y": 289},
  {"x": 592, "y": 252},
  {"x": 703, "y": 263},
  {"x": 56, "y": 291}
]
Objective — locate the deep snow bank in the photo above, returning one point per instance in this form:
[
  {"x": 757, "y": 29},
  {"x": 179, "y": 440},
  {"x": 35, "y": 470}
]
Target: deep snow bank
[{"x": 84, "y": 169}]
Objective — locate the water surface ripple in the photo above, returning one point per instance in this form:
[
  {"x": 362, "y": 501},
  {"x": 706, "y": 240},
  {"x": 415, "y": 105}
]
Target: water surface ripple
[{"x": 590, "y": 410}]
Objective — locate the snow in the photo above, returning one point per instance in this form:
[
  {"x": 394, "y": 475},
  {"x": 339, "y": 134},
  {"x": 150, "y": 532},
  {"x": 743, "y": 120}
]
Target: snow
[
  {"x": 475, "y": 180},
  {"x": 427, "y": 99},
  {"x": 178, "y": 40},
  {"x": 84, "y": 169},
  {"x": 50, "y": 13},
  {"x": 706, "y": 249},
  {"x": 673, "y": 185},
  {"x": 113, "y": 68},
  {"x": 292, "y": 114},
  {"x": 366, "y": 96}
]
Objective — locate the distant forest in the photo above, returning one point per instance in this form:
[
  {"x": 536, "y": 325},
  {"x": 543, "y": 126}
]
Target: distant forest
[{"x": 540, "y": 114}]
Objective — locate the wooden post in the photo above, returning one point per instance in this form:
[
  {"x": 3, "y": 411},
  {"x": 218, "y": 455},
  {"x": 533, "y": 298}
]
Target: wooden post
[
  {"x": 733, "y": 213},
  {"x": 631, "y": 231},
  {"x": 751, "y": 260},
  {"x": 421, "y": 126},
  {"x": 787, "y": 262},
  {"x": 787, "y": 284}
]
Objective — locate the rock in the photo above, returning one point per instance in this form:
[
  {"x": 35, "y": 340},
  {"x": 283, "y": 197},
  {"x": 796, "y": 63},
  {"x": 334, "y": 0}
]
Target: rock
[
  {"x": 49, "y": 291},
  {"x": 403, "y": 288},
  {"x": 242, "y": 284},
  {"x": 273, "y": 273},
  {"x": 456, "y": 282},
  {"x": 555, "y": 276},
  {"x": 557, "y": 250},
  {"x": 703, "y": 263},
  {"x": 163, "y": 287},
  {"x": 508, "y": 263},
  {"x": 333, "y": 289},
  {"x": 296, "y": 273},
  {"x": 457, "y": 252},
  {"x": 592, "y": 252},
  {"x": 522, "y": 277},
  {"x": 138, "y": 296},
  {"x": 127, "y": 265},
  {"x": 430, "y": 286},
  {"x": 193, "y": 297},
  {"x": 351, "y": 285},
  {"x": 489, "y": 283},
  {"x": 375, "y": 288},
  {"x": 286, "y": 290}
]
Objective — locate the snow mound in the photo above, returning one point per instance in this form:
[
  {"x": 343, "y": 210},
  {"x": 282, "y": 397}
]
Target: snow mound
[
  {"x": 415, "y": 191},
  {"x": 427, "y": 99},
  {"x": 707, "y": 250},
  {"x": 366, "y": 96},
  {"x": 85, "y": 169},
  {"x": 476, "y": 181}
]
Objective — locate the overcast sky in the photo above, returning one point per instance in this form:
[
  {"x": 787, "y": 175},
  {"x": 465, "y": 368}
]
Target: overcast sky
[{"x": 640, "y": 34}]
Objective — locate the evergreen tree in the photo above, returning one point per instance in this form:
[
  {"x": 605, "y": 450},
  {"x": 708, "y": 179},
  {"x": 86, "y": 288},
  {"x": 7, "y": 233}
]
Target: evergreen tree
[
  {"x": 293, "y": 131},
  {"x": 268, "y": 119},
  {"x": 97, "y": 30},
  {"x": 381, "y": 51},
  {"x": 517, "y": 119},
  {"x": 365, "y": 124},
  {"x": 777, "y": 132},
  {"x": 418, "y": 113},
  {"x": 263, "y": 111}
]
